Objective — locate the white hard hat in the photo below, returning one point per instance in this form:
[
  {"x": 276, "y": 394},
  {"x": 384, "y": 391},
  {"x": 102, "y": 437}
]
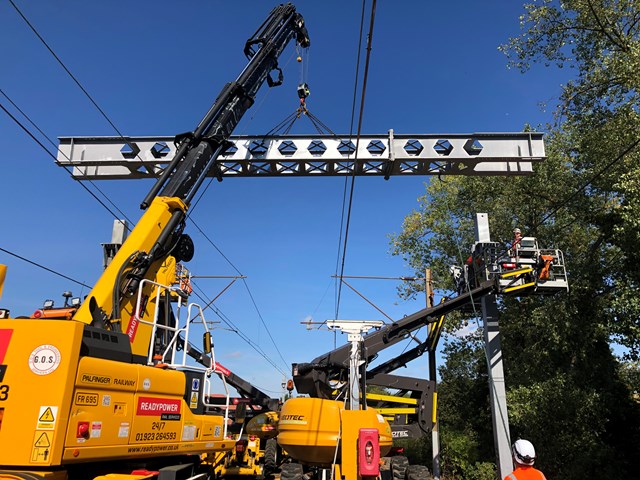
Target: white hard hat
[
  {"x": 517, "y": 230},
  {"x": 523, "y": 452}
]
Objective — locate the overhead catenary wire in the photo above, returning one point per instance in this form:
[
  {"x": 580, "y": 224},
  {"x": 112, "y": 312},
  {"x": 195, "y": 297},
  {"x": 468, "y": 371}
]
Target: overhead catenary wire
[
  {"x": 246, "y": 285},
  {"x": 33, "y": 137},
  {"x": 359, "y": 130},
  {"x": 77, "y": 82},
  {"x": 235, "y": 328},
  {"x": 106, "y": 197},
  {"x": 39, "y": 265},
  {"x": 344, "y": 193}
]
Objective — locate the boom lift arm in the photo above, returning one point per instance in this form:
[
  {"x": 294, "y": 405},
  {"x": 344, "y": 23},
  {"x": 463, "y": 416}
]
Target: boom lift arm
[
  {"x": 315, "y": 378},
  {"x": 410, "y": 412},
  {"x": 149, "y": 255}
]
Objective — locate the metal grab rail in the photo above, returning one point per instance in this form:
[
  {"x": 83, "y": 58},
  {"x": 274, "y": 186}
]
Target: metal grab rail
[{"x": 180, "y": 334}]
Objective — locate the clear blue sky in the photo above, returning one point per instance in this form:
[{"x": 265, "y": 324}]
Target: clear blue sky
[{"x": 155, "y": 67}]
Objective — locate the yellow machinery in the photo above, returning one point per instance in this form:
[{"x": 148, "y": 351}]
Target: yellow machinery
[
  {"x": 255, "y": 451},
  {"x": 251, "y": 457},
  {"x": 323, "y": 433},
  {"x": 523, "y": 269},
  {"x": 74, "y": 401},
  {"x": 105, "y": 389},
  {"x": 344, "y": 437},
  {"x": 320, "y": 432}
]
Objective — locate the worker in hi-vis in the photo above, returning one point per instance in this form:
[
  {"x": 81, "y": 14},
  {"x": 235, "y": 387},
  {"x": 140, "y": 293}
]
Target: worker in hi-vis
[{"x": 524, "y": 456}]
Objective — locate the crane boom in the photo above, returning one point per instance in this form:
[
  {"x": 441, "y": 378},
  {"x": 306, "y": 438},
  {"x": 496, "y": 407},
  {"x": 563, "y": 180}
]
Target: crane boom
[
  {"x": 314, "y": 378},
  {"x": 198, "y": 150},
  {"x": 125, "y": 292}
]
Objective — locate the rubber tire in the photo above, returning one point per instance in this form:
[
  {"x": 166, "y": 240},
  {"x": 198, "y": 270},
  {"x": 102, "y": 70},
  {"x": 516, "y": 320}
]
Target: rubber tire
[
  {"x": 270, "y": 456},
  {"x": 399, "y": 465},
  {"x": 418, "y": 472},
  {"x": 291, "y": 471}
]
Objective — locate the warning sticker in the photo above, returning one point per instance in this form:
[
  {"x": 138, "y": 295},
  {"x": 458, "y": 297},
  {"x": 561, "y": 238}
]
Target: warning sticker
[
  {"x": 47, "y": 418},
  {"x": 44, "y": 359},
  {"x": 194, "y": 400},
  {"x": 42, "y": 440},
  {"x": 41, "y": 447},
  {"x": 123, "y": 431},
  {"x": 96, "y": 429}
]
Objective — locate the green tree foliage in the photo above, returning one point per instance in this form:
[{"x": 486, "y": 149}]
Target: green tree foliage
[
  {"x": 567, "y": 392},
  {"x": 599, "y": 116}
]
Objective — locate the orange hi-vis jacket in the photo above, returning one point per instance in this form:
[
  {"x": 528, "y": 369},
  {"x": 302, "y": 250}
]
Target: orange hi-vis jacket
[{"x": 523, "y": 472}]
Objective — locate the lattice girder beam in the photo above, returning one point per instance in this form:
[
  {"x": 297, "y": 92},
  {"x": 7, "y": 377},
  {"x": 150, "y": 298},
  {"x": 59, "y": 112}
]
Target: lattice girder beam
[{"x": 91, "y": 158}]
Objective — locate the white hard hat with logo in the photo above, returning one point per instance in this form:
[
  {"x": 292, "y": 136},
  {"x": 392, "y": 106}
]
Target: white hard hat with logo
[{"x": 523, "y": 452}]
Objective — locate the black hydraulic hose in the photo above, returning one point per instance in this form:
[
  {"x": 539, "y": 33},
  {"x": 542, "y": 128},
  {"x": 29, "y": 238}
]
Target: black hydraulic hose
[{"x": 116, "y": 291}]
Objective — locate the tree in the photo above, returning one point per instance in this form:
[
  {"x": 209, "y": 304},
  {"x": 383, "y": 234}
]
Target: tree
[
  {"x": 599, "y": 114},
  {"x": 567, "y": 392}
]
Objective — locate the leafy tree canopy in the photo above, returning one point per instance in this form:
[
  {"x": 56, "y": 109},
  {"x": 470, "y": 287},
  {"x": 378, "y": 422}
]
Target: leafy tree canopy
[{"x": 568, "y": 393}]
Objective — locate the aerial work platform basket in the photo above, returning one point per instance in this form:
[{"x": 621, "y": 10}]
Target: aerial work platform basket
[{"x": 523, "y": 269}]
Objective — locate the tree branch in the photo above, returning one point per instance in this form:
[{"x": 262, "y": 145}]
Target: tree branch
[{"x": 603, "y": 29}]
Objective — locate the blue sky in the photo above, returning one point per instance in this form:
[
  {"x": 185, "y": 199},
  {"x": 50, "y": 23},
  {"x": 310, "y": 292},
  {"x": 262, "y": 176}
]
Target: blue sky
[{"x": 156, "y": 67}]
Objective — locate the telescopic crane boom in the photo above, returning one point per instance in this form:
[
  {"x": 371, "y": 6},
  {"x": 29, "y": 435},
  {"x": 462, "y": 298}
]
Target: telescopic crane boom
[{"x": 157, "y": 241}]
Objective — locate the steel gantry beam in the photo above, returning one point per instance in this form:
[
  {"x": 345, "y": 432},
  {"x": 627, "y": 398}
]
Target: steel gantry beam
[{"x": 91, "y": 158}]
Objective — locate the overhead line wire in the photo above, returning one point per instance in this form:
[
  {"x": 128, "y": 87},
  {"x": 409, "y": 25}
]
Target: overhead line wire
[
  {"x": 246, "y": 285},
  {"x": 33, "y": 137},
  {"x": 236, "y": 330},
  {"x": 69, "y": 73},
  {"x": 215, "y": 246},
  {"x": 362, "y": 99},
  {"x": 344, "y": 193},
  {"x": 44, "y": 268},
  {"x": 244, "y": 280},
  {"x": 65, "y": 156}
]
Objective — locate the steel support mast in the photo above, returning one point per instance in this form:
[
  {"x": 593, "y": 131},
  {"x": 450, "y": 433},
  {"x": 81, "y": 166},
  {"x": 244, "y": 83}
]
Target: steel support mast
[{"x": 493, "y": 351}]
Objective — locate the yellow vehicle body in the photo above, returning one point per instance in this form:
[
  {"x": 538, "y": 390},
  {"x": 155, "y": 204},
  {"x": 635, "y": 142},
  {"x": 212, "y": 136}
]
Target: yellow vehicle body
[
  {"x": 101, "y": 394},
  {"x": 141, "y": 239},
  {"x": 312, "y": 430},
  {"x": 59, "y": 408}
]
